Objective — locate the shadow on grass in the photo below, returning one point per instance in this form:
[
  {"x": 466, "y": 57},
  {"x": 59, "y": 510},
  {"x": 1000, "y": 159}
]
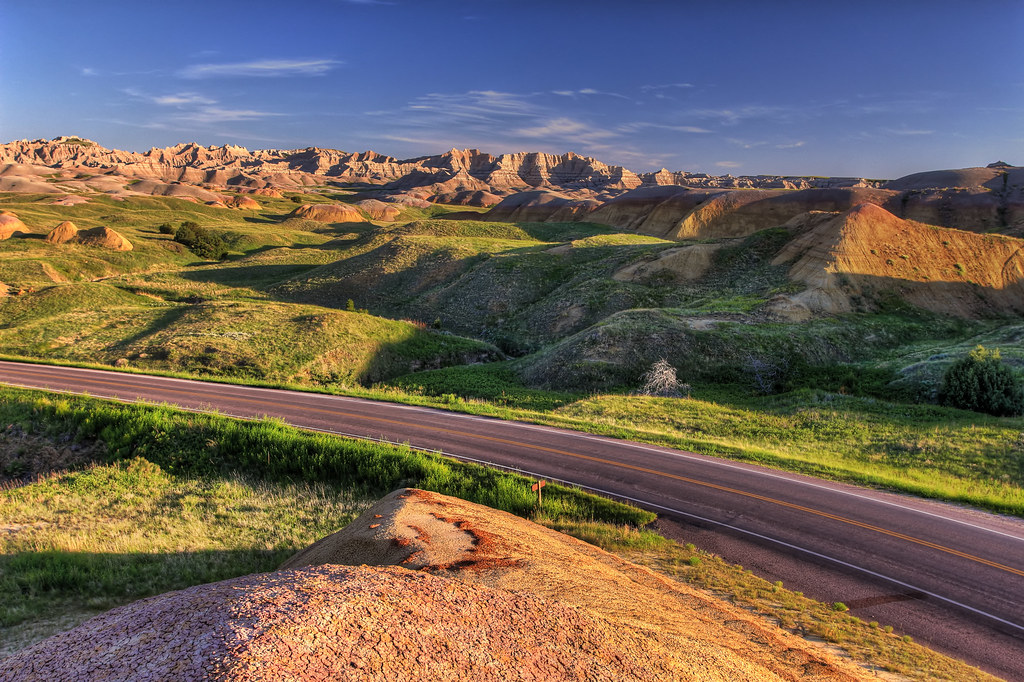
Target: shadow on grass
[
  {"x": 163, "y": 322},
  {"x": 255, "y": 276},
  {"x": 34, "y": 584}
]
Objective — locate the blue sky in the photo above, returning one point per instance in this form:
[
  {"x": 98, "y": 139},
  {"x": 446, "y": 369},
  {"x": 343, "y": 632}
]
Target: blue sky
[{"x": 875, "y": 89}]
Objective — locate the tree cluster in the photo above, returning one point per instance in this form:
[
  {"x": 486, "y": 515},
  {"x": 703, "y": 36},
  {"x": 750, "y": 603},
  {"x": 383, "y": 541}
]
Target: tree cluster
[{"x": 201, "y": 241}]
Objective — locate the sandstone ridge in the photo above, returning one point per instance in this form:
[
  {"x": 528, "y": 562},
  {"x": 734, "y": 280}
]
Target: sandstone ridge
[
  {"x": 853, "y": 259},
  {"x": 466, "y": 176}
]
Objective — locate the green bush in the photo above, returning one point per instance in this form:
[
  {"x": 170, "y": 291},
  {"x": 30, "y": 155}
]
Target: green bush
[
  {"x": 166, "y": 228},
  {"x": 981, "y": 382},
  {"x": 201, "y": 241}
]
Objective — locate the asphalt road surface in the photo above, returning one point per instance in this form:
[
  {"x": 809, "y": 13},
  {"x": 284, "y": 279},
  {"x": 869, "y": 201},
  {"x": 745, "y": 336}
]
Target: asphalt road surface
[{"x": 952, "y": 578}]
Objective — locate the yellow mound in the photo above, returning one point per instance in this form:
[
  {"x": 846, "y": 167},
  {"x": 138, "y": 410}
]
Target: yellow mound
[
  {"x": 104, "y": 237},
  {"x": 242, "y": 202},
  {"x": 330, "y": 213},
  {"x": 700, "y": 637},
  {"x": 63, "y": 233},
  {"x": 10, "y": 225},
  {"x": 866, "y": 253}
]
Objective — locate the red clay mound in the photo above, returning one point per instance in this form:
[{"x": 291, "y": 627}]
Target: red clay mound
[
  {"x": 334, "y": 622},
  {"x": 866, "y": 253},
  {"x": 330, "y": 213},
  {"x": 63, "y": 233}
]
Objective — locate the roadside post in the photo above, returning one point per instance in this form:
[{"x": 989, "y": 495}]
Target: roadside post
[{"x": 537, "y": 486}]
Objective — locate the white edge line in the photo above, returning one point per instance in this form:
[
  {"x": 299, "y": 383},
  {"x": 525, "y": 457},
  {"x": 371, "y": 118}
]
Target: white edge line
[
  {"x": 766, "y": 538},
  {"x": 664, "y": 450}
]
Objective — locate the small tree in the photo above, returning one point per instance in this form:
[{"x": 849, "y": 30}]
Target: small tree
[
  {"x": 660, "y": 380},
  {"x": 201, "y": 241},
  {"x": 982, "y": 382}
]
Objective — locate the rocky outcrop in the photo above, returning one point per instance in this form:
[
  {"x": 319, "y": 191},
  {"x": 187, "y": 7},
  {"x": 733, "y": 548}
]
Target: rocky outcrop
[
  {"x": 542, "y": 206},
  {"x": 242, "y": 202},
  {"x": 428, "y": 587},
  {"x": 467, "y": 198},
  {"x": 853, "y": 260},
  {"x": 329, "y": 213},
  {"x": 62, "y": 234},
  {"x": 11, "y": 225},
  {"x": 103, "y": 237},
  {"x": 378, "y": 210}
]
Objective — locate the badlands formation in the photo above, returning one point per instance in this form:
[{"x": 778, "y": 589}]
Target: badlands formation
[{"x": 424, "y": 586}]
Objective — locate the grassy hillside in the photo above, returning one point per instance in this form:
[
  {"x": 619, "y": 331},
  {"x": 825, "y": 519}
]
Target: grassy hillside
[{"x": 116, "y": 503}]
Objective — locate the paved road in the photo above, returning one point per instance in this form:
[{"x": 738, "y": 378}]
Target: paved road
[{"x": 951, "y": 577}]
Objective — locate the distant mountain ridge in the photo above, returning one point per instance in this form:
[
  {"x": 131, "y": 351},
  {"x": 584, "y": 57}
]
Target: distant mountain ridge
[{"x": 453, "y": 171}]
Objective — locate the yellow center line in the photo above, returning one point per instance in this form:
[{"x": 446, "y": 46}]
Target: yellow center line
[{"x": 599, "y": 460}]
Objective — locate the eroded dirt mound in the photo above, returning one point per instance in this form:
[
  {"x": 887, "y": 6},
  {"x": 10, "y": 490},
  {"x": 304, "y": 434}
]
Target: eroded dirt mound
[
  {"x": 862, "y": 255},
  {"x": 378, "y": 210},
  {"x": 104, "y": 237},
  {"x": 11, "y": 225},
  {"x": 334, "y": 622},
  {"x": 329, "y": 213},
  {"x": 710, "y": 640},
  {"x": 63, "y": 233},
  {"x": 242, "y": 202},
  {"x": 534, "y": 206}
]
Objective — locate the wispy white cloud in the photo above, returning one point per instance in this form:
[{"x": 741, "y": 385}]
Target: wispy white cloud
[
  {"x": 181, "y": 99},
  {"x": 640, "y": 125},
  {"x": 665, "y": 86},
  {"x": 209, "y": 114},
  {"x": 88, "y": 71},
  {"x": 564, "y": 126},
  {"x": 746, "y": 144},
  {"x": 261, "y": 68},
  {"x": 589, "y": 92},
  {"x": 728, "y": 164},
  {"x": 907, "y": 131},
  {"x": 479, "y": 105}
]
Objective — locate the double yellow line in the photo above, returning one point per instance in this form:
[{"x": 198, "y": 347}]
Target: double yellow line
[{"x": 598, "y": 460}]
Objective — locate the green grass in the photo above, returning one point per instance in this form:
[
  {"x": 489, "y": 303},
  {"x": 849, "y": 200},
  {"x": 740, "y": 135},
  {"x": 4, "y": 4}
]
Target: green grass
[{"x": 167, "y": 508}]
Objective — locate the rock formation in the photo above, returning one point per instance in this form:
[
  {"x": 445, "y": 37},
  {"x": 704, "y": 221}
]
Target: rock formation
[
  {"x": 11, "y": 225},
  {"x": 458, "y": 176},
  {"x": 63, "y": 233},
  {"x": 852, "y": 259},
  {"x": 378, "y": 210},
  {"x": 329, "y": 213},
  {"x": 242, "y": 202},
  {"x": 103, "y": 237},
  {"x": 423, "y": 586}
]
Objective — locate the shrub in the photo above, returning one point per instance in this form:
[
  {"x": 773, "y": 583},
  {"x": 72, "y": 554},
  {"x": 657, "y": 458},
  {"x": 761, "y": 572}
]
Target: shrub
[
  {"x": 660, "y": 380},
  {"x": 166, "y": 228},
  {"x": 201, "y": 241},
  {"x": 982, "y": 382}
]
